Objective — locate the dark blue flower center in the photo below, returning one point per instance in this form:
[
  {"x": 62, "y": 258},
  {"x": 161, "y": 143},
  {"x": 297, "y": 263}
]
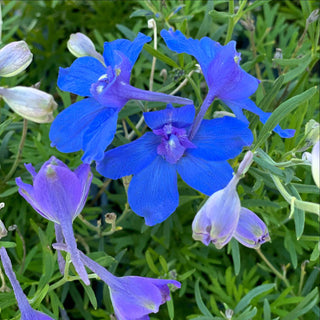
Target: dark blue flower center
[{"x": 174, "y": 142}]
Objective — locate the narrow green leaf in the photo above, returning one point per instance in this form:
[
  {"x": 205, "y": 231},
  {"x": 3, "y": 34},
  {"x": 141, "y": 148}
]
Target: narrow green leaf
[
  {"x": 200, "y": 302},
  {"x": 272, "y": 93},
  {"x": 244, "y": 302},
  {"x": 7, "y": 244},
  {"x": 160, "y": 56},
  {"x": 9, "y": 192},
  {"x": 235, "y": 256},
  {"x": 91, "y": 296},
  {"x": 281, "y": 112},
  {"x": 150, "y": 262},
  {"x": 186, "y": 275},
  {"x": 170, "y": 307},
  {"x": 266, "y": 310},
  {"x": 316, "y": 252}
]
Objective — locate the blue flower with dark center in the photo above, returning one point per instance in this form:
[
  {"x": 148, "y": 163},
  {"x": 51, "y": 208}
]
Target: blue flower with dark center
[
  {"x": 90, "y": 124},
  {"x": 156, "y": 157},
  {"x": 226, "y": 80}
]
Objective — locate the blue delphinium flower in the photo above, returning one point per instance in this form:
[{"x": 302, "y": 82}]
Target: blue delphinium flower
[
  {"x": 156, "y": 157},
  {"x": 59, "y": 195},
  {"x": 27, "y": 313},
  {"x": 90, "y": 124},
  {"x": 226, "y": 80},
  {"x": 222, "y": 217},
  {"x": 133, "y": 298}
]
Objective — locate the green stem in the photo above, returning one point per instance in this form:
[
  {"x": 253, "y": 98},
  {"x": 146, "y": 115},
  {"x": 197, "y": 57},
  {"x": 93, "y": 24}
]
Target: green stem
[
  {"x": 19, "y": 153},
  {"x": 303, "y": 205},
  {"x": 274, "y": 270},
  {"x": 231, "y": 22}
]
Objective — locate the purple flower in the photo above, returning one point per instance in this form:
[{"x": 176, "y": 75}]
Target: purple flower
[
  {"x": 59, "y": 195},
  {"x": 225, "y": 78},
  {"x": 156, "y": 157},
  {"x": 133, "y": 298},
  {"x": 90, "y": 124},
  {"x": 222, "y": 217},
  {"x": 251, "y": 230},
  {"x": 27, "y": 313}
]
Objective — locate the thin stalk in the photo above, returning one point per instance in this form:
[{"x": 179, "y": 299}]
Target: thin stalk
[
  {"x": 153, "y": 25},
  {"x": 19, "y": 153},
  {"x": 231, "y": 22},
  {"x": 274, "y": 270}
]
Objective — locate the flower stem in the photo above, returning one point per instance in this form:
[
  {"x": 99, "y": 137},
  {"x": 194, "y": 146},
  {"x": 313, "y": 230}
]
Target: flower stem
[
  {"x": 274, "y": 270},
  {"x": 231, "y": 22},
  {"x": 19, "y": 153},
  {"x": 203, "y": 109}
]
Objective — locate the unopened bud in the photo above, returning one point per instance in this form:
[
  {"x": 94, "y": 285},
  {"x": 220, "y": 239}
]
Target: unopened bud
[
  {"x": 81, "y": 46},
  {"x": 314, "y": 15},
  {"x": 30, "y": 103},
  {"x": 164, "y": 74},
  {"x": 110, "y": 217},
  {"x": 278, "y": 54},
  {"x": 14, "y": 58},
  {"x": 152, "y": 24},
  {"x": 3, "y": 230},
  {"x": 221, "y": 114},
  {"x": 229, "y": 314},
  {"x": 248, "y": 24},
  {"x": 12, "y": 228},
  {"x": 315, "y": 163}
]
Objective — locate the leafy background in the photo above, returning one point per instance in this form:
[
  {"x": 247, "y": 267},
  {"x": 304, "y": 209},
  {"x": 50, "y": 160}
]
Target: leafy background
[{"x": 277, "y": 282}]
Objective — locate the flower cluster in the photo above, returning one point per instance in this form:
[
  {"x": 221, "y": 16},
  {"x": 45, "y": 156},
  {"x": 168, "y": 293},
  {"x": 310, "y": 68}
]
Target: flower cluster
[{"x": 180, "y": 142}]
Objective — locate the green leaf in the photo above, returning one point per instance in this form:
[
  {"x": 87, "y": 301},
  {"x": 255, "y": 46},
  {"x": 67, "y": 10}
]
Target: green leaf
[
  {"x": 200, "y": 302},
  {"x": 7, "y": 244},
  {"x": 160, "y": 56},
  {"x": 186, "y": 275},
  {"x": 91, "y": 296},
  {"x": 244, "y": 302},
  {"x": 141, "y": 13},
  {"x": 266, "y": 310},
  {"x": 235, "y": 255},
  {"x": 150, "y": 263},
  {"x": 170, "y": 307},
  {"x": 9, "y": 192},
  {"x": 316, "y": 252},
  {"x": 281, "y": 112},
  {"x": 220, "y": 15},
  {"x": 304, "y": 306},
  {"x": 272, "y": 93}
]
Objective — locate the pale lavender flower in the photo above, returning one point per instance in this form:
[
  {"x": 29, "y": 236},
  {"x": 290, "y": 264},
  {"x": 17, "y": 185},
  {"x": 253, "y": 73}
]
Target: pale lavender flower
[
  {"x": 133, "y": 298},
  {"x": 315, "y": 163},
  {"x": 27, "y": 313},
  {"x": 251, "y": 231},
  {"x": 59, "y": 195}
]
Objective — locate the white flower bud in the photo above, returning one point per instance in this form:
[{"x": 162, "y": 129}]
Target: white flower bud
[
  {"x": 81, "y": 46},
  {"x": 314, "y": 16},
  {"x": 14, "y": 58},
  {"x": 315, "y": 163},
  {"x": 30, "y": 103}
]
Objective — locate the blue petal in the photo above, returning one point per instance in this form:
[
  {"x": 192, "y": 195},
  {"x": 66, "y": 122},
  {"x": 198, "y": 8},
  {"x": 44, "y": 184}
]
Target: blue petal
[
  {"x": 153, "y": 192},
  {"x": 99, "y": 135},
  {"x": 221, "y": 139},
  {"x": 203, "y": 50},
  {"x": 178, "y": 117},
  {"x": 237, "y": 106},
  {"x": 67, "y": 130},
  {"x": 205, "y": 176},
  {"x": 226, "y": 79},
  {"x": 131, "y": 49},
  {"x": 81, "y": 75},
  {"x": 129, "y": 158}
]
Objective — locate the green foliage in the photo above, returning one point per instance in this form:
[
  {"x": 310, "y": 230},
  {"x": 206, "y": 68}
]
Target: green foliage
[{"x": 279, "y": 281}]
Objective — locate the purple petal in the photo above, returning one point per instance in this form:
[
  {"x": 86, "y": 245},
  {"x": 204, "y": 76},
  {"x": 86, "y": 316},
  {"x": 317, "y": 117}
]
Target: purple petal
[
  {"x": 85, "y": 176},
  {"x": 203, "y": 175},
  {"x": 226, "y": 79},
  {"x": 66, "y": 226},
  {"x": 221, "y": 139},
  {"x": 131, "y": 49},
  {"x": 247, "y": 104},
  {"x": 37, "y": 315},
  {"x": 221, "y": 215},
  {"x": 58, "y": 191},
  {"x": 68, "y": 128},
  {"x": 27, "y": 192},
  {"x": 99, "y": 134},
  {"x": 79, "y": 77},
  {"x": 251, "y": 230},
  {"x": 30, "y": 169},
  {"x": 160, "y": 198},
  {"x": 129, "y": 158},
  {"x": 178, "y": 117},
  {"x": 203, "y": 50}
]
